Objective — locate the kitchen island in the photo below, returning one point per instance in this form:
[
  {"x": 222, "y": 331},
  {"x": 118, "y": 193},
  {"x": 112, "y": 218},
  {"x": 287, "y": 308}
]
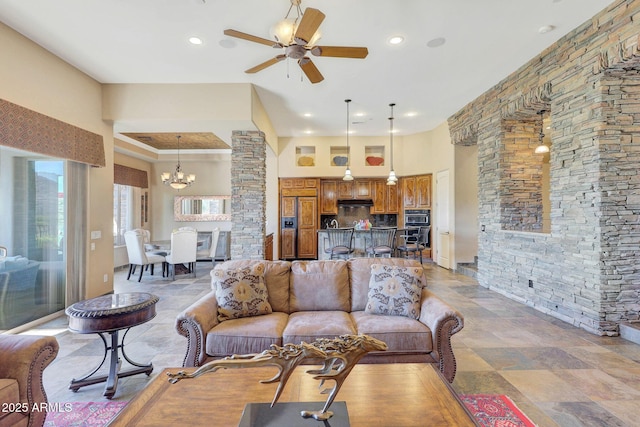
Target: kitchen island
[
  {"x": 359, "y": 243},
  {"x": 360, "y": 238}
]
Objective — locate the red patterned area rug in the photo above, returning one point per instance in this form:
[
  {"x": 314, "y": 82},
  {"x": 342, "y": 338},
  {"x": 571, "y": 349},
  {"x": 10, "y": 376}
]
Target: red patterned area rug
[
  {"x": 82, "y": 414},
  {"x": 495, "y": 410}
]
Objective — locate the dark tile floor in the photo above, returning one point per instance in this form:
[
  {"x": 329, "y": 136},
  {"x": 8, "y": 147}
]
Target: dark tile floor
[{"x": 557, "y": 374}]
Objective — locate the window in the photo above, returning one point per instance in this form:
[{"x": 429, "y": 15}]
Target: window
[
  {"x": 126, "y": 212},
  {"x": 33, "y": 275}
]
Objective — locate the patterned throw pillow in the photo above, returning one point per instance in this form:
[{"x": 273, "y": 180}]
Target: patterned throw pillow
[
  {"x": 394, "y": 291},
  {"x": 241, "y": 292}
]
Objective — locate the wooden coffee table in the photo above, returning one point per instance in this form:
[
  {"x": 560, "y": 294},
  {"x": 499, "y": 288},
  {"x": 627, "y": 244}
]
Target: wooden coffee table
[{"x": 403, "y": 394}]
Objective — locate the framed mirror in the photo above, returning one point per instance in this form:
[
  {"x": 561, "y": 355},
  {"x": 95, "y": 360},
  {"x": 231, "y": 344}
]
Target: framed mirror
[{"x": 202, "y": 208}]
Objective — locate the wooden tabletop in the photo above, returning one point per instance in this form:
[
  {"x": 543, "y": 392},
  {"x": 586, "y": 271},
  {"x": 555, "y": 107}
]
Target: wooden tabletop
[{"x": 394, "y": 395}]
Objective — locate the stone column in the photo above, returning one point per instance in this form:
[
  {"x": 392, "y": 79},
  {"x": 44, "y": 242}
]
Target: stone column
[{"x": 248, "y": 194}]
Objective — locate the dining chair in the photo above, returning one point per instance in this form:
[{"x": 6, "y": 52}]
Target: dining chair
[
  {"x": 381, "y": 242},
  {"x": 339, "y": 242},
  {"x": 184, "y": 248},
  {"x": 134, "y": 239},
  {"x": 413, "y": 241}
]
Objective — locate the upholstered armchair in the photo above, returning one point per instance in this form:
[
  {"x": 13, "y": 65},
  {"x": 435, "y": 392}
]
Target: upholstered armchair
[{"x": 23, "y": 360}]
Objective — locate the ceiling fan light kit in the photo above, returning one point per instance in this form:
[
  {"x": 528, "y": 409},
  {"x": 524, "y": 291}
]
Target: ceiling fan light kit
[{"x": 297, "y": 37}]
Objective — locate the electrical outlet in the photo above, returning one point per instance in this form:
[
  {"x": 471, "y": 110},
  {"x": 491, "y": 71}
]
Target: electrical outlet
[
  {"x": 105, "y": 278},
  {"x": 530, "y": 283}
]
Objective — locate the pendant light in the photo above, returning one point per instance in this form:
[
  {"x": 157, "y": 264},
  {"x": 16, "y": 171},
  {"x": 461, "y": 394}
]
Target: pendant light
[
  {"x": 392, "y": 180},
  {"x": 347, "y": 173},
  {"x": 542, "y": 148},
  {"x": 178, "y": 179}
]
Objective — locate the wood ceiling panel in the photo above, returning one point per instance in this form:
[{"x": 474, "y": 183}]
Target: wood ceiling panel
[{"x": 188, "y": 140}]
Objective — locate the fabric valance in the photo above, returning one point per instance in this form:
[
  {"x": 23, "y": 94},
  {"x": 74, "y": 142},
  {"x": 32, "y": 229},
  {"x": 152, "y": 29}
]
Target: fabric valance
[
  {"x": 125, "y": 175},
  {"x": 28, "y": 130}
]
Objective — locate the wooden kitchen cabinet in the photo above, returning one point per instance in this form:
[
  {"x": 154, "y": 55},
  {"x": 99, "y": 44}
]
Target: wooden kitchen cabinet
[
  {"x": 298, "y": 183},
  {"x": 328, "y": 197},
  {"x": 423, "y": 192},
  {"x": 416, "y": 192},
  {"x": 307, "y": 227},
  {"x": 345, "y": 189},
  {"x": 287, "y": 207},
  {"x": 362, "y": 189},
  {"x": 288, "y": 243},
  {"x": 393, "y": 198},
  {"x": 379, "y": 197},
  {"x": 408, "y": 192}
]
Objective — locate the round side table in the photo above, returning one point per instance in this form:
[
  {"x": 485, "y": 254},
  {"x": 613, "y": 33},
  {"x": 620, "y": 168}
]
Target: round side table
[{"x": 111, "y": 314}]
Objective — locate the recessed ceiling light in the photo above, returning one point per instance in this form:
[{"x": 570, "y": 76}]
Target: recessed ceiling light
[
  {"x": 359, "y": 114},
  {"x": 396, "y": 39},
  {"x": 437, "y": 42},
  {"x": 307, "y": 115},
  {"x": 411, "y": 114},
  {"x": 546, "y": 28},
  {"x": 195, "y": 40},
  {"x": 308, "y": 131}
]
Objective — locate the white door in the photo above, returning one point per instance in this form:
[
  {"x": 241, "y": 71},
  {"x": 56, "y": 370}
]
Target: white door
[{"x": 442, "y": 218}]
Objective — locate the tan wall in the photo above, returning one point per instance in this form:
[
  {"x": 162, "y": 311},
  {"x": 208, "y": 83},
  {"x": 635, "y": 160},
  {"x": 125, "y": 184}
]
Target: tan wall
[{"x": 33, "y": 78}]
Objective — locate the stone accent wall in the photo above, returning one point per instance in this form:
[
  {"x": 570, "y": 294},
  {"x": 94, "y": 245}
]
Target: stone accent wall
[
  {"x": 248, "y": 194},
  {"x": 586, "y": 271},
  {"x": 520, "y": 176}
]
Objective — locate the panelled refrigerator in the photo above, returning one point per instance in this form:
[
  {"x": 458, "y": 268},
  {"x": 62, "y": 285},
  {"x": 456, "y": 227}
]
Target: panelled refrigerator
[{"x": 299, "y": 228}]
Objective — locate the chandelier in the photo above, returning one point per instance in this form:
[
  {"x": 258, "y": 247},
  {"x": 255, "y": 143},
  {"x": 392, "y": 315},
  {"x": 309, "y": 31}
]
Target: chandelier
[
  {"x": 178, "y": 179},
  {"x": 392, "y": 174}
]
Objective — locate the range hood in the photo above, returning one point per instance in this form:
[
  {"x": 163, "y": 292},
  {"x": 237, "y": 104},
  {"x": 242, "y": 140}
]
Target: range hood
[{"x": 355, "y": 202}]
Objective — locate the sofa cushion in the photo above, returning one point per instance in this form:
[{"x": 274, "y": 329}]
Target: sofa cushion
[
  {"x": 402, "y": 334},
  {"x": 394, "y": 291},
  {"x": 309, "y": 325},
  {"x": 319, "y": 285},
  {"x": 241, "y": 292},
  {"x": 246, "y": 335},
  {"x": 276, "y": 278},
  {"x": 360, "y": 275}
]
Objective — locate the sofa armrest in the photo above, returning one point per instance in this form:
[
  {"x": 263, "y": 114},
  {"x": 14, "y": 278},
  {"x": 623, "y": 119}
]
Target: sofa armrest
[
  {"x": 444, "y": 321},
  {"x": 194, "y": 323},
  {"x": 24, "y": 358}
]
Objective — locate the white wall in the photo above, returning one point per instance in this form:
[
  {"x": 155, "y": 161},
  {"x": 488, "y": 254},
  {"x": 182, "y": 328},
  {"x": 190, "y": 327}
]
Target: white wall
[
  {"x": 213, "y": 178},
  {"x": 34, "y": 78},
  {"x": 466, "y": 203}
]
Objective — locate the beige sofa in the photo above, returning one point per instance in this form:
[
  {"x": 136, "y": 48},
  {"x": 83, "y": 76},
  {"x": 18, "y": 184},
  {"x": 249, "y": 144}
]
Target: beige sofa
[{"x": 314, "y": 299}]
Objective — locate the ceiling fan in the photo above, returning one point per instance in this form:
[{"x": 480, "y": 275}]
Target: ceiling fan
[{"x": 297, "y": 39}]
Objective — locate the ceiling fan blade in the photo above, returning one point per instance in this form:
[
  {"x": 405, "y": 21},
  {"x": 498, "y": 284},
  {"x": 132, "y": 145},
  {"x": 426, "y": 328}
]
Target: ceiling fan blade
[
  {"x": 340, "y": 51},
  {"x": 310, "y": 70},
  {"x": 265, "y": 64},
  {"x": 249, "y": 37},
  {"x": 309, "y": 24}
]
